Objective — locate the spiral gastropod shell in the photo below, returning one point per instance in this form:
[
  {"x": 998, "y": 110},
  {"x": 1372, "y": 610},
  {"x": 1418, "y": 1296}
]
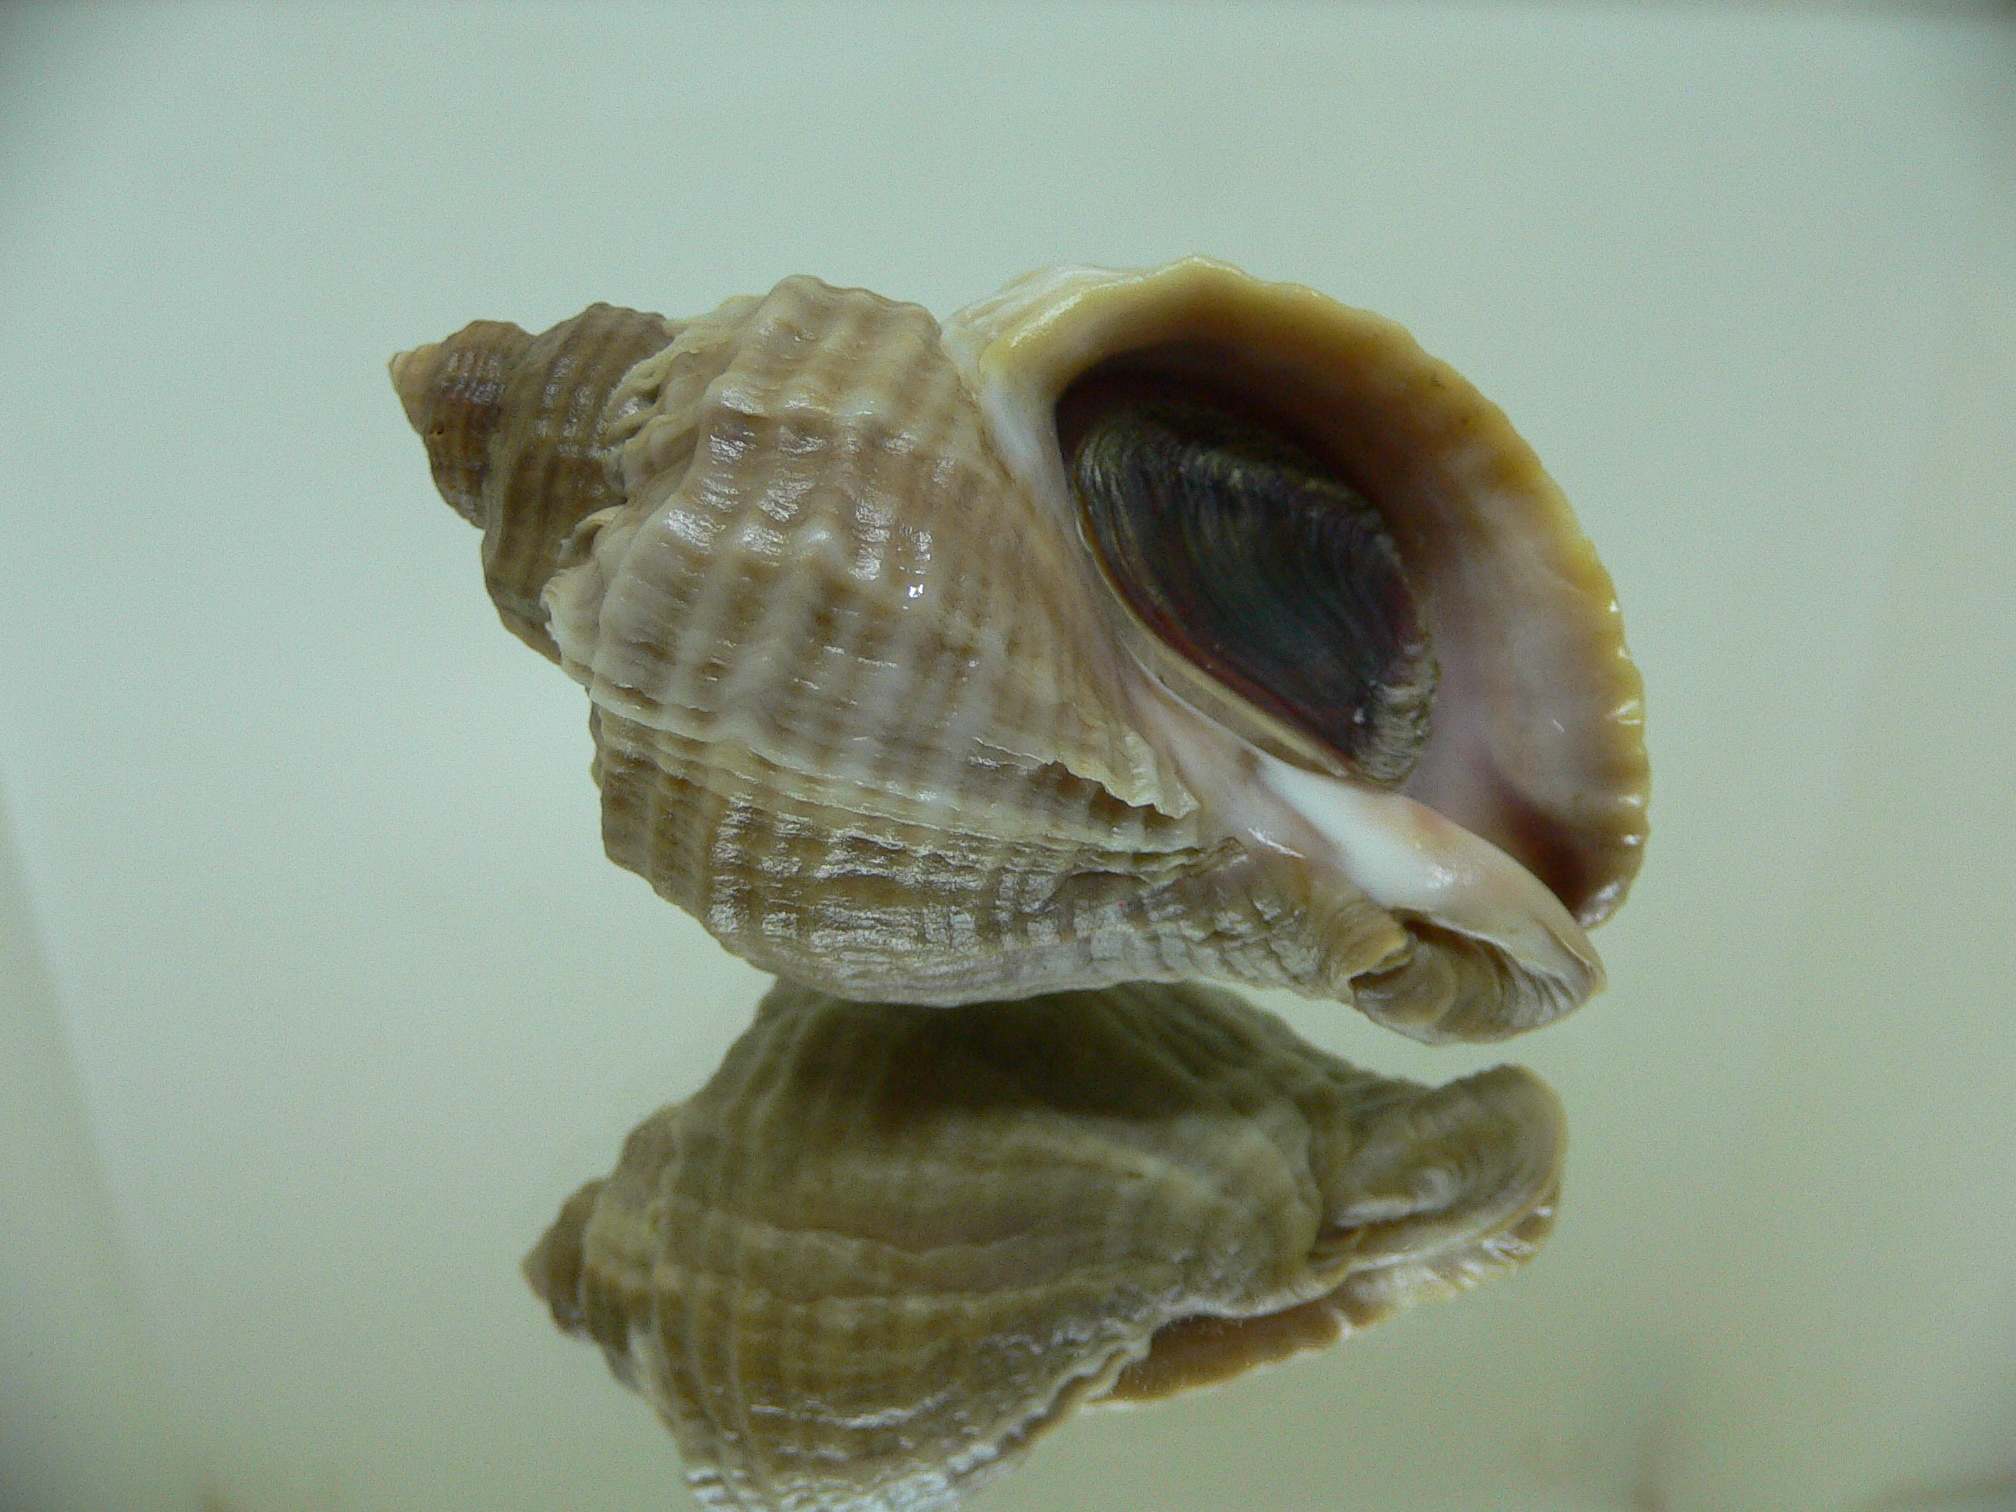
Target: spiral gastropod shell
[{"x": 1129, "y": 626}]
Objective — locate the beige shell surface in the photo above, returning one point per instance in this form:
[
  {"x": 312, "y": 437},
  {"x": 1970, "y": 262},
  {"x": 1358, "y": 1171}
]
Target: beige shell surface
[
  {"x": 886, "y": 1247},
  {"x": 866, "y": 706}
]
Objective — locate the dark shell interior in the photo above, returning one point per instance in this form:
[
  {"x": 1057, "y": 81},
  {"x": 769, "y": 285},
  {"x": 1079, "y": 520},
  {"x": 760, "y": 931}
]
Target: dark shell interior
[{"x": 1243, "y": 552}]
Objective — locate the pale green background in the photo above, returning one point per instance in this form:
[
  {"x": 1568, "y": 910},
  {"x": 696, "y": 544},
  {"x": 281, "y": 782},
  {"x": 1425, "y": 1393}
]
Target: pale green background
[{"x": 316, "y": 994}]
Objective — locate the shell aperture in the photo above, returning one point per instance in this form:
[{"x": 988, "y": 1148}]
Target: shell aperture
[
  {"x": 868, "y": 704},
  {"x": 886, "y": 1248},
  {"x": 1277, "y": 580}
]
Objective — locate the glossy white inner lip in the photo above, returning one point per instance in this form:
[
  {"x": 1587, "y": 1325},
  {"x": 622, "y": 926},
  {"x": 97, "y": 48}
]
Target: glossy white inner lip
[
  {"x": 1410, "y": 859},
  {"x": 1400, "y": 853}
]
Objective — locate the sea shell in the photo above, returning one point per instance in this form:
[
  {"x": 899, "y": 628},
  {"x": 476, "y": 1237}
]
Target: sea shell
[
  {"x": 887, "y": 1247},
  {"x": 884, "y": 699}
]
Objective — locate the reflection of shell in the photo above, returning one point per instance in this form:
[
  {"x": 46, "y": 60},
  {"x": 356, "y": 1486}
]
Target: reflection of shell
[
  {"x": 868, "y": 704},
  {"x": 886, "y": 1247}
]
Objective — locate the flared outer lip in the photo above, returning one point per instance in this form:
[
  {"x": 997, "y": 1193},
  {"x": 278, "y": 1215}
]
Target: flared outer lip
[{"x": 1538, "y": 741}]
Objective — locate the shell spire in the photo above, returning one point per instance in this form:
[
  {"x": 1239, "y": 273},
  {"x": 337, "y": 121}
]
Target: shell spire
[{"x": 514, "y": 427}]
